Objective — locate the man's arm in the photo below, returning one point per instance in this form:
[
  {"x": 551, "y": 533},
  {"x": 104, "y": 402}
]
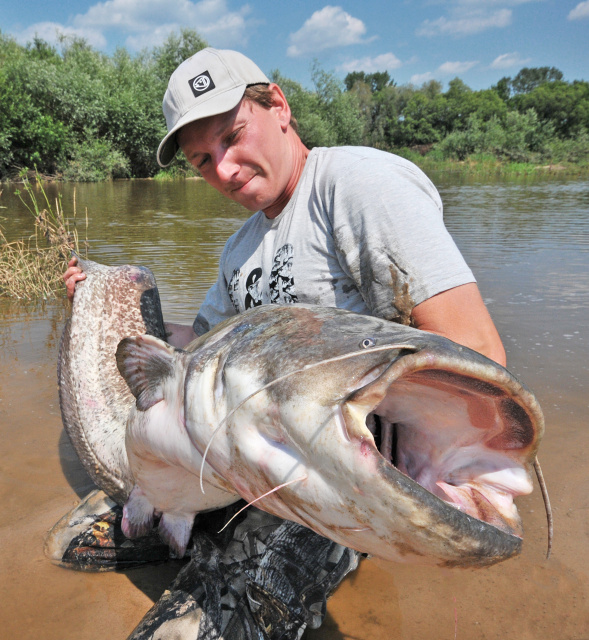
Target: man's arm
[
  {"x": 179, "y": 335},
  {"x": 460, "y": 314}
]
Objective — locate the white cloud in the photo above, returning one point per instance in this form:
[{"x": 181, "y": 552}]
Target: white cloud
[
  {"x": 420, "y": 78},
  {"x": 152, "y": 38},
  {"x": 508, "y": 60},
  {"x": 468, "y": 17},
  {"x": 383, "y": 62},
  {"x": 149, "y": 22},
  {"x": 476, "y": 22},
  {"x": 479, "y": 4},
  {"x": 141, "y": 15},
  {"x": 580, "y": 11},
  {"x": 229, "y": 29},
  {"x": 327, "y": 28},
  {"x": 456, "y": 67},
  {"x": 51, "y": 32},
  {"x": 445, "y": 69}
]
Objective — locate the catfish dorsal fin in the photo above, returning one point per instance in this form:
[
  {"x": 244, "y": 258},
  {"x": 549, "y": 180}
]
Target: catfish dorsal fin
[{"x": 145, "y": 362}]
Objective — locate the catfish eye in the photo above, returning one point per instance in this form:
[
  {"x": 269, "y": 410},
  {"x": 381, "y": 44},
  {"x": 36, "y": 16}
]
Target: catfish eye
[{"x": 367, "y": 343}]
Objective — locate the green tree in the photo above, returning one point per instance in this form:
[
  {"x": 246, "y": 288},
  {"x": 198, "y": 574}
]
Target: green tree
[
  {"x": 417, "y": 123},
  {"x": 529, "y": 78},
  {"x": 313, "y": 129},
  {"x": 339, "y": 109},
  {"x": 31, "y": 132},
  {"x": 503, "y": 88},
  {"x": 431, "y": 88},
  {"x": 176, "y": 49},
  {"x": 76, "y": 111},
  {"x": 353, "y": 78},
  {"x": 565, "y": 106},
  {"x": 376, "y": 81}
]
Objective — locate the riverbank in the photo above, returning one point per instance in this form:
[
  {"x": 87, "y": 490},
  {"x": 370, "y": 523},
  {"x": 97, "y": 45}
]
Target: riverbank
[
  {"x": 488, "y": 166},
  {"x": 426, "y": 157},
  {"x": 481, "y": 165}
]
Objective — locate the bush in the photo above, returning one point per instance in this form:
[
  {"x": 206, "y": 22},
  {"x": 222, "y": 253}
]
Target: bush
[
  {"x": 95, "y": 160},
  {"x": 575, "y": 149},
  {"x": 526, "y": 137},
  {"x": 520, "y": 137}
]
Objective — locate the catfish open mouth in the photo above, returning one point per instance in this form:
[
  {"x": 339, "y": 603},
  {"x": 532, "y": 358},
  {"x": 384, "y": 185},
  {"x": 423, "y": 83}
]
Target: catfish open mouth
[{"x": 465, "y": 431}]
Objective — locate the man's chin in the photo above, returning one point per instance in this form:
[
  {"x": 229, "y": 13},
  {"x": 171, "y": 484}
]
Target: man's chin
[{"x": 249, "y": 203}]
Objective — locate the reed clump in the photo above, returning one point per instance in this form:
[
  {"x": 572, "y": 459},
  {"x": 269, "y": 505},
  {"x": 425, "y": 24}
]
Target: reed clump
[{"x": 32, "y": 267}]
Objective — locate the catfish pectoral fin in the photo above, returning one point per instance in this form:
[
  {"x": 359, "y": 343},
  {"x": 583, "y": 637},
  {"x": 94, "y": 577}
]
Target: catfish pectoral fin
[
  {"x": 137, "y": 515},
  {"x": 145, "y": 362},
  {"x": 175, "y": 531}
]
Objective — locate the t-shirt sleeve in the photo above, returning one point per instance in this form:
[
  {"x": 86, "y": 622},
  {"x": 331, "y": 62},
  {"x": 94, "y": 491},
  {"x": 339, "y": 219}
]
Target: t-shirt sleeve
[
  {"x": 390, "y": 237},
  {"x": 217, "y": 305}
]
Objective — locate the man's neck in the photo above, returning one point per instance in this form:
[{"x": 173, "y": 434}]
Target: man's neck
[{"x": 300, "y": 153}]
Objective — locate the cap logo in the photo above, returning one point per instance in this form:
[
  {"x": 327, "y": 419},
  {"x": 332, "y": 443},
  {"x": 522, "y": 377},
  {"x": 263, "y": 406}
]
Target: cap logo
[{"x": 201, "y": 84}]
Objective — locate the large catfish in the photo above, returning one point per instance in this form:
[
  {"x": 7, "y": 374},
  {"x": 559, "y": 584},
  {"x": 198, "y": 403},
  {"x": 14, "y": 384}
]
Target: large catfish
[{"x": 393, "y": 441}]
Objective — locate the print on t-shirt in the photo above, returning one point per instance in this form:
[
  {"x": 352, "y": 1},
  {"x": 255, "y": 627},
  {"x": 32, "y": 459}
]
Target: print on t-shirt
[
  {"x": 253, "y": 297},
  {"x": 233, "y": 289},
  {"x": 282, "y": 286}
]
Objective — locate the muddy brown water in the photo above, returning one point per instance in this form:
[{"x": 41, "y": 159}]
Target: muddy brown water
[{"x": 528, "y": 244}]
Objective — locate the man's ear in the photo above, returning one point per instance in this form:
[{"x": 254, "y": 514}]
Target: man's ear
[{"x": 280, "y": 105}]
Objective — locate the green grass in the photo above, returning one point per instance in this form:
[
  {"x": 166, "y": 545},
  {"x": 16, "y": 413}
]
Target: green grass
[{"x": 487, "y": 165}]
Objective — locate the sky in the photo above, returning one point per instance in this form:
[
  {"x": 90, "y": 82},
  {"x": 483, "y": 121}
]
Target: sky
[{"x": 479, "y": 41}]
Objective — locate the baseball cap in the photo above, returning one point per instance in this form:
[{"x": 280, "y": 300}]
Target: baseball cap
[{"x": 210, "y": 82}]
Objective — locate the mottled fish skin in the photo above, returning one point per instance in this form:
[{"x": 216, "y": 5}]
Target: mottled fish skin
[
  {"x": 110, "y": 304},
  {"x": 470, "y": 421}
]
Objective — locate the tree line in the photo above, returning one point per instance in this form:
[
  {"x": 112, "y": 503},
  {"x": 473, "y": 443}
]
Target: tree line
[{"x": 74, "y": 112}]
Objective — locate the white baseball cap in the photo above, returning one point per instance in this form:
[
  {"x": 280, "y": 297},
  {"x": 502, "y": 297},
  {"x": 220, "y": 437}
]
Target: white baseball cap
[{"x": 210, "y": 82}]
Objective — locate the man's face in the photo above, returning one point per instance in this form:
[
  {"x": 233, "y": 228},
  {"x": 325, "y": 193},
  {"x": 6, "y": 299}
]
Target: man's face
[{"x": 243, "y": 154}]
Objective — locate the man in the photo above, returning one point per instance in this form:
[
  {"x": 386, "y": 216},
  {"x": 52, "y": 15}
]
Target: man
[
  {"x": 252, "y": 154},
  {"x": 348, "y": 227}
]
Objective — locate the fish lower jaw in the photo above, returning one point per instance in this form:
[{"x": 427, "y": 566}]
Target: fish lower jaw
[{"x": 483, "y": 503}]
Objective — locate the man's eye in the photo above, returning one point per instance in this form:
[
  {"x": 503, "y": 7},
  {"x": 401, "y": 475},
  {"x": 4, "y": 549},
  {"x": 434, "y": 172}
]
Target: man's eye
[
  {"x": 233, "y": 136},
  {"x": 202, "y": 163}
]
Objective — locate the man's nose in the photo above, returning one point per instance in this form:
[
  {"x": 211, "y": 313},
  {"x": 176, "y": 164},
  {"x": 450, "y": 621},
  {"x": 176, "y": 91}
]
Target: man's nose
[{"x": 227, "y": 168}]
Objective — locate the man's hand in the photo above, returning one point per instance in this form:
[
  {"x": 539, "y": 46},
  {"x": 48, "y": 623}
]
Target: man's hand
[
  {"x": 460, "y": 314},
  {"x": 179, "y": 335},
  {"x": 71, "y": 276}
]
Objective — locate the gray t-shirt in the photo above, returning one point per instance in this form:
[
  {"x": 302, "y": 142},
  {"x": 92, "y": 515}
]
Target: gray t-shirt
[{"x": 363, "y": 231}]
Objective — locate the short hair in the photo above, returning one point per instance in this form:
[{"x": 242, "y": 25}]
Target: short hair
[{"x": 263, "y": 96}]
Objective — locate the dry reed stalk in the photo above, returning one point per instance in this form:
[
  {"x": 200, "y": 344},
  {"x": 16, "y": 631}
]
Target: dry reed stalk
[{"x": 32, "y": 267}]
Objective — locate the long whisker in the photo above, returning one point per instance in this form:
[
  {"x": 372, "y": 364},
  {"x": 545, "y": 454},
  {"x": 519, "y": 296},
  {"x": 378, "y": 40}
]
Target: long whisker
[
  {"x": 249, "y": 504},
  {"x": 544, "y": 491},
  {"x": 388, "y": 347}
]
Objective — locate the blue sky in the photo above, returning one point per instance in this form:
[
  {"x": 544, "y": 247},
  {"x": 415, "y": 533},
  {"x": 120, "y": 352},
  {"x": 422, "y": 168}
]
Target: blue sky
[{"x": 479, "y": 41}]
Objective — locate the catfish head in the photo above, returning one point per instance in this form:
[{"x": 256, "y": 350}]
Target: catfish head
[{"x": 390, "y": 440}]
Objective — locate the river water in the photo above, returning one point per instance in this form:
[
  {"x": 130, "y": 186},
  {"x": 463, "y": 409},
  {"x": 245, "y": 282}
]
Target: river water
[{"x": 528, "y": 245}]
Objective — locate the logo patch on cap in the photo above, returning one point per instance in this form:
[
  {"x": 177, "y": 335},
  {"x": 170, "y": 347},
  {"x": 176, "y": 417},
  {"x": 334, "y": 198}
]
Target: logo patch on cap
[{"x": 201, "y": 84}]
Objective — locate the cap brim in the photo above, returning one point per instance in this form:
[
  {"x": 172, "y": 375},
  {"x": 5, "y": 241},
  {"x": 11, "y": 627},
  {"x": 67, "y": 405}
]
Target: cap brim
[{"x": 220, "y": 103}]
